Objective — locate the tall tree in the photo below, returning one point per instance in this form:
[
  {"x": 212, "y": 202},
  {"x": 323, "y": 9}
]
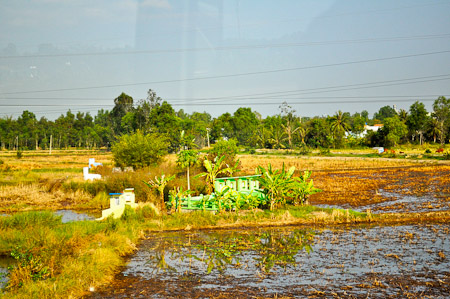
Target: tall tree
[
  {"x": 384, "y": 112},
  {"x": 122, "y": 105},
  {"x": 339, "y": 126},
  {"x": 441, "y": 109},
  {"x": 244, "y": 122},
  {"x": 417, "y": 120}
]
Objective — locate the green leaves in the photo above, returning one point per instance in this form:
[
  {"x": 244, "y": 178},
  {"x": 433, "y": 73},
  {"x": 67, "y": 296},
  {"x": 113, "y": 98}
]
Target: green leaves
[
  {"x": 139, "y": 150},
  {"x": 213, "y": 169},
  {"x": 159, "y": 184},
  {"x": 281, "y": 187}
]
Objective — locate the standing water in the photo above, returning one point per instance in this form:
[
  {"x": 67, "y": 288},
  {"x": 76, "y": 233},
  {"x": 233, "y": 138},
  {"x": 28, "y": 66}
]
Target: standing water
[{"x": 408, "y": 260}]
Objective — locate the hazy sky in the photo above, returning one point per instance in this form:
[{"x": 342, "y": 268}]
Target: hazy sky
[{"x": 216, "y": 56}]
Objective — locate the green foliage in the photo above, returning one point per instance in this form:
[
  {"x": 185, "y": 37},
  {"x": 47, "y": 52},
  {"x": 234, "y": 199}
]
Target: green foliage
[
  {"x": 160, "y": 184},
  {"x": 393, "y": 130},
  {"x": 427, "y": 151},
  {"x": 19, "y": 154},
  {"x": 139, "y": 150},
  {"x": 282, "y": 187},
  {"x": 26, "y": 219},
  {"x": 302, "y": 188},
  {"x": 384, "y": 112},
  {"x": 187, "y": 159},
  {"x": 214, "y": 169},
  {"x": 224, "y": 148},
  {"x": 275, "y": 183},
  {"x": 29, "y": 266}
]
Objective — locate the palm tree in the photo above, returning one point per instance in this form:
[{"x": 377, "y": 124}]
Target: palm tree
[
  {"x": 339, "y": 125},
  {"x": 435, "y": 128}
]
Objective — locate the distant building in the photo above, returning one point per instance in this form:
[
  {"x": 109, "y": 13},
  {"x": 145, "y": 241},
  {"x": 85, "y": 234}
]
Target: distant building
[
  {"x": 374, "y": 128},
  {"x": 367, "y": 128}
]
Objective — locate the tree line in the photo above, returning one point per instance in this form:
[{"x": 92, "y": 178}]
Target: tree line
[{"x": 285, "y": 130}]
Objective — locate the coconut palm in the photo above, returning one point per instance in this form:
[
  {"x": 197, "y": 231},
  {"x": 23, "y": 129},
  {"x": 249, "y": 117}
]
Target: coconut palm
[{"x": 339, "y": 125}]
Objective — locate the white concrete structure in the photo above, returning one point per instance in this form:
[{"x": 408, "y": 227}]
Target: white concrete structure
[
  {"x": 117, "y": 203},
  {"x": 90, "y": 176}
]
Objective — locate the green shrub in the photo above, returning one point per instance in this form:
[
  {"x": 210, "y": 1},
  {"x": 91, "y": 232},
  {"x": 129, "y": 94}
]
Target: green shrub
[
  {"x": 139, "y": 150},
  {"x": 427, "y": 151},
  {"x": 19, "y": 154},
  {"x": 227, "y": 148}
]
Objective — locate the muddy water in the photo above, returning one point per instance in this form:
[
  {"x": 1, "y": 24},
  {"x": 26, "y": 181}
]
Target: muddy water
[{"x": 399, "y": 261}]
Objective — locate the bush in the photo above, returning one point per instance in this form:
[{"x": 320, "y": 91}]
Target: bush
[
  {"x": 227, "y": 148},
  {"x": 427, "y": 151},
  {"x": 19, "y": 155},
  {"x": 138, "y": 150}
]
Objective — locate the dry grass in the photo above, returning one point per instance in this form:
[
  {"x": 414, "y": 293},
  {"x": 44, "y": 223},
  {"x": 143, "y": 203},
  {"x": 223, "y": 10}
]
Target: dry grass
[{"x": 36, "y": 196}]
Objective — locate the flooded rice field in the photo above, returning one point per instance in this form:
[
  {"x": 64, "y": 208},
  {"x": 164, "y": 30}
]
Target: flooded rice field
[
  {"x": 398, "y": 203},
  {"x": 386, "y": 190},
  {"x": 359, "y": 262}
]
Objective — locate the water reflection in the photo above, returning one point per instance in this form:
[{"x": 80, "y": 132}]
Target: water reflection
[
  {"x": 69, "y": 216},
  {"x": 219, "y": 250},
  {"x": 352, "y": 261},
  {"x": 5, "y": 262}
]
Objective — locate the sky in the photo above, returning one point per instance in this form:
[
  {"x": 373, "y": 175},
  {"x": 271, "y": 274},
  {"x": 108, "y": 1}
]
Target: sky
[{"x": 216, "y": 55}]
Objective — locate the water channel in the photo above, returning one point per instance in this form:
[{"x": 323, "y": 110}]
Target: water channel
[{"x": 378, "y": 261}]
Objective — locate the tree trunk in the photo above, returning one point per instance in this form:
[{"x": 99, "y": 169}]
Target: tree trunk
[{"x": 188, "y": 180}]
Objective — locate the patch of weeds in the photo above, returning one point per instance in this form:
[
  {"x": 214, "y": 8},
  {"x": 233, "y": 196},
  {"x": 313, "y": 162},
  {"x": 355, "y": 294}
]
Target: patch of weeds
[
  {"x": 129, "y": 215},
  {"x": 30, "y": 219},
  {"x": 427, "y": 151},
  {"x": 93, "y": 188},
  {"x": 29, "y": 267}
]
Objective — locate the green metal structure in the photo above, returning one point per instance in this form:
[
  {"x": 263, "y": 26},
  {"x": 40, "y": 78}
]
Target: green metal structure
[{"x": 229, "y": 191}]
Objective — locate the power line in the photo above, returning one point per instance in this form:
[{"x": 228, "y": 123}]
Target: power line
[
  {"x": 195, "y": 99},
  {"x": 233, "y": 75},
  {"x": 242, "y": 47}
]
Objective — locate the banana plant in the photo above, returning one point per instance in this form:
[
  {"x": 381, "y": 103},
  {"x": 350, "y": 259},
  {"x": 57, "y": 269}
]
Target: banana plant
[
  {"x": 275, "y": 183},
  {"x": 302, "y": 188},
  {"x": 176, "y": 195},
  {"x": 159, "y": 184},
  {"x": 215, "y": 168}
]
